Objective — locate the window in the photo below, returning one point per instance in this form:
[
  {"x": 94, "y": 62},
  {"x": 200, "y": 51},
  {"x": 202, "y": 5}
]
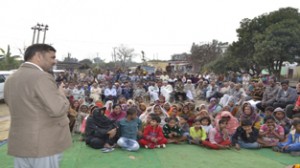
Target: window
[{"x": 2, "y": 79}]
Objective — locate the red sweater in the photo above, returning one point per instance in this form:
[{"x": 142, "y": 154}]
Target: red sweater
[{"x": 151, "y": 132}]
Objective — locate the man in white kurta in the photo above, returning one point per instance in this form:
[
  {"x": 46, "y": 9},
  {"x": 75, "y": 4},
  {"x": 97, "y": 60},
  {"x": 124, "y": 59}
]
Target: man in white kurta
[{"x": 167, "y": 89}]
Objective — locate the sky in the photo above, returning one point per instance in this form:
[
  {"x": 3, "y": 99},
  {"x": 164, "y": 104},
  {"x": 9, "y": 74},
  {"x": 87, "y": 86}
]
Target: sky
[{"x": 90, "y": 28}]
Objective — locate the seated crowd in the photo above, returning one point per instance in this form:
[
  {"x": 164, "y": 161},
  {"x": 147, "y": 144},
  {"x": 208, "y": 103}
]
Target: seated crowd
[{"x": 152, "y": 113}]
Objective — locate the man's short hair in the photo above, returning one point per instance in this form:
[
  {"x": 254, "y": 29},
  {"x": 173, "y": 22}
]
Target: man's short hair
[
  {"x": 33, "y": 49},
  {"x": 131, "y": 111},
  {"x": 285, "y": 82}
]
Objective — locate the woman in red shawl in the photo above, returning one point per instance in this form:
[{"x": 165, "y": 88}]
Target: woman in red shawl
[{"x": 232, "y": 122}]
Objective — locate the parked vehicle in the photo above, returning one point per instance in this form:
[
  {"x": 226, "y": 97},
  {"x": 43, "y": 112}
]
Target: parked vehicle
[
  {"x": 2, "y": 80},
  {"x": 3, "y": 76}
]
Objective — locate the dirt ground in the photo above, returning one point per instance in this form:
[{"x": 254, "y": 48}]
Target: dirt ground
[{"x": 4, "y": 121}]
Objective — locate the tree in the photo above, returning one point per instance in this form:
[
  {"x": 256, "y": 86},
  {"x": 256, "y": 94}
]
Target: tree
[
  {"x": 202, "y": 54},
  {"x": 124, "y": 54},
  {"x": 7, "y": 61},
  {"x": 69, "y": 58},
  {"x": 98, "y": 60},
  {"x": 86, "y": 64},
  {"x": 280, "y": 40},
  {"x": 264, "y": 42}
]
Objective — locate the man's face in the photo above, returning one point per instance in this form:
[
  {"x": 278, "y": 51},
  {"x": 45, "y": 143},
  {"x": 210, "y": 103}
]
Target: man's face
[
  {"x": 159, "y": 84},
  {"x": 284, "y": 86},
  {"x": 47, "y": 60}
]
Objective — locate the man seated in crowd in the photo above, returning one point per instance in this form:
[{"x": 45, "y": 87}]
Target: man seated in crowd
[
  {"x": 180, "y": 95},
  {"x": 269, "y": 95},
  {"x": 110, "y": 93},
  {"x": 213, "y": 91},
  {"x": 189, "y": 89},
  {"x": 286, "y": 95}
]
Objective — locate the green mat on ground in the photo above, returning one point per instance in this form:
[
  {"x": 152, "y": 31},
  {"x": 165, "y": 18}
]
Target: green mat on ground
[{"x": 174, "y": 156}]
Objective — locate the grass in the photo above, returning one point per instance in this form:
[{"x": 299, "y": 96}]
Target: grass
[{"x": 174, "y": 156}]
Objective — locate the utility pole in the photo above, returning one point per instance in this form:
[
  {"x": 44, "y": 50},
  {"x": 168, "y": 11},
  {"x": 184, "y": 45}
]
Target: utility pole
[
  {"x": 38, "y": 35},
  {"x": 40, "y": 28},
  {"x": 34, "y": 28},
  {"x": 115, "y": 56},
  {"x": 45, "y": 29},
  {"x": 143, "y": 57}
]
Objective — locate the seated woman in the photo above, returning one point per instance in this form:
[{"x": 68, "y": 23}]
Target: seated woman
[
  {"x": 214, "y": 108},
  {"x": 142, "y": 107},
  {"x": 101, "y": 132},
  {"x": 174, "y": 112},
  {"x": 248, "y": 113},
  {"x": 167, "y": 107},
  {"x": 83, "y": 112},
  {"x": 231, "y": 107},
  {"x": 187, "y": 112},
  {"x": 117, "y": 114},
  {"x": 155, "y": 109},
  {"x": 232, "y": 122},
  {"x": 72, "y": 114},
  {"x": 108, "y": 105}
]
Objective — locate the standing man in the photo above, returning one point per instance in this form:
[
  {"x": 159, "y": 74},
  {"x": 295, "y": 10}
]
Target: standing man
[{"x": 39, "y": 130}]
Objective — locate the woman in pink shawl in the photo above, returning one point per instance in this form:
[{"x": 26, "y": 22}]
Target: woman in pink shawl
[
  {"x": 232, "y": 122},
  {"x": 117, "y": 114}
]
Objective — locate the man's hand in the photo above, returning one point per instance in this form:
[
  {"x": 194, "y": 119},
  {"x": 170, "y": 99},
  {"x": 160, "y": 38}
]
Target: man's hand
[
  {"x": 296, "y": 108},
  {"x": 140, "y": 133},
  {"x": 112, "y": 133},
  {"x": 154, "y": 140},
  {"x": 61, "y": 88}
]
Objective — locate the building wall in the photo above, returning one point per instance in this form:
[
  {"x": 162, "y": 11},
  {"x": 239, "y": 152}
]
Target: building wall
[{"x": 158, "y": 64}]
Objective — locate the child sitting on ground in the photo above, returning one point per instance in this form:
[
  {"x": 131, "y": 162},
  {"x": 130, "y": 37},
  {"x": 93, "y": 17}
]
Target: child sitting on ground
[
  {"x": 171, "y": 131},
  {"x": 153, "y": 135},
  {"x": 295, "y": 118},
  {"x": 282, "y": 120},
  {"x": 130, "y": 129},
  {"x": 218, "y": 137},
  {"x": 293, "y": 143},
  {"x": 197, "y": 133},
  {"x": 206, "y": 124},
  {"x": 184, "y": 127},
  {"x": 148, "y": 121},
  {"x": 270, "y": 133},
  {"x": 245, "y": 136}
]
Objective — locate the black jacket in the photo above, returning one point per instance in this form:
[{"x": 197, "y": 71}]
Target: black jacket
[{"x": 241, "y": 134}]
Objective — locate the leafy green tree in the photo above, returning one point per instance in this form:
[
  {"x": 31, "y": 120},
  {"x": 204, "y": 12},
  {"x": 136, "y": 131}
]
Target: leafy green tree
[
  {"x": 280, "y": 40},
  {"x": 264, "y": 42},
  {"x": 7, "y": 61}
]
